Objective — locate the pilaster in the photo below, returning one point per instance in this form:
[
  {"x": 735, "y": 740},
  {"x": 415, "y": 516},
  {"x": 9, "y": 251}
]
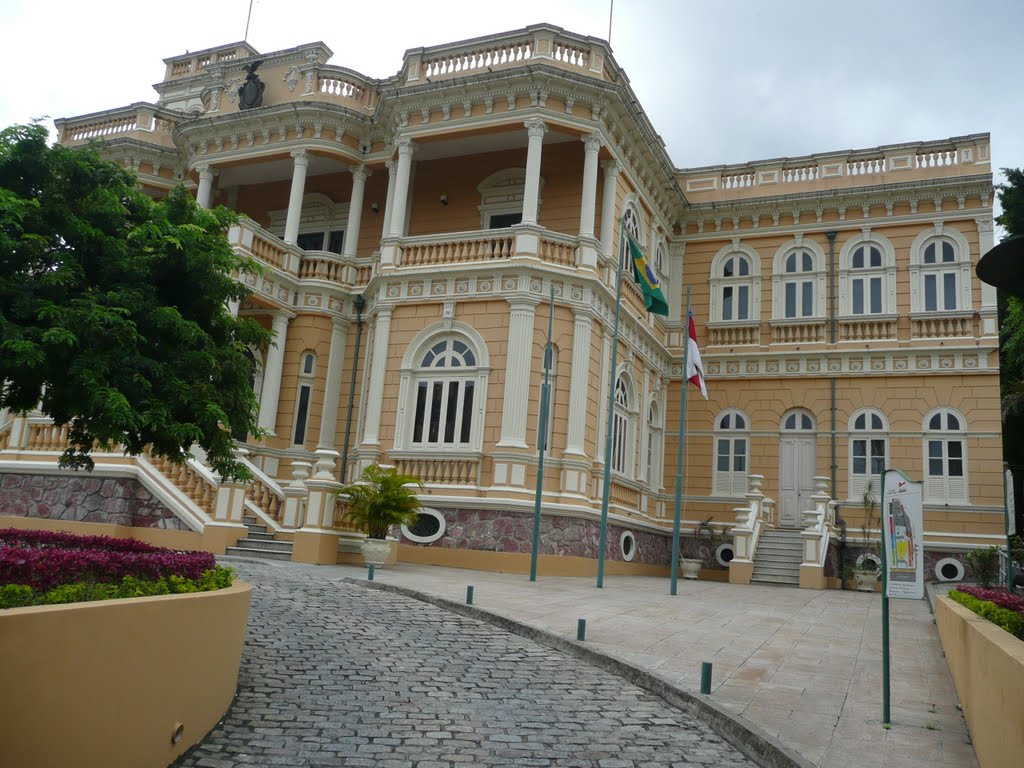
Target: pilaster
[
  {"x": 378, "y": 367},
  {"x": 518, "y": 364},
  {"x": 272, "y": 373},
  {"x": 332, "y": 386}
]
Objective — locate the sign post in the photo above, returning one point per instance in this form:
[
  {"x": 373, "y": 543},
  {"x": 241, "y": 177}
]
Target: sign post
[{"x": 902, "y": 556}]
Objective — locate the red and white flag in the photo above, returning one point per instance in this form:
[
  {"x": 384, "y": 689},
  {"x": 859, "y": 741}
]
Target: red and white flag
[{"x": 694, "y": 366}]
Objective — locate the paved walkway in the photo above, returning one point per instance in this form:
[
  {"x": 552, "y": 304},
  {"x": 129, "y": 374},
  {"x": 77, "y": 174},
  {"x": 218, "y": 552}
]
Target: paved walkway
[
  {"x": 803, "y": 665},
  {"x": 335, "y": 674}
]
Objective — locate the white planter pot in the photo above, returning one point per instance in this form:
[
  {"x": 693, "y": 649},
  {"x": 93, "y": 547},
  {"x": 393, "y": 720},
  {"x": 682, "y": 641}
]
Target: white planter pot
[
  {"x": 690, "y": 567},
  {"x": 375, "y": 551},
  {"x": 866, "y": 580}
]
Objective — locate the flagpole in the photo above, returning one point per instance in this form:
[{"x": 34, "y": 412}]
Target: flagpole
[
  {"x": 542, "y": 439},
  {"x": 677, "y": 514},
  {"x": 607, "y": 482}
]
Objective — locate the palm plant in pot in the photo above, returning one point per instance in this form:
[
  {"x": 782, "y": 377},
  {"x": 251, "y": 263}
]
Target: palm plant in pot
[
  {"x": 867, "y": 572},
  {"x": 380, "y": 500}
]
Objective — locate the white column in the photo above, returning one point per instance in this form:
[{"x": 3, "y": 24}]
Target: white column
[
  {"x": 611, "y": 182},
  {"x": 397, "y": 204},
  {"x": 989, "y": 296},
  {"x": 272, "y": 373},
  {"x": 592, "y": 143},
  {"x": 579, "y": 383},
  {"x": 291, "y": 227},
  {"x": 518, "y": 363},
  {"x": 602, "y": 426},
  {"x": 535, "y": 129},
  {"x": 355, "y": 209},
  {"x": 205, "y": 191},
  {"x": 389, "y": 197},
  {"x": 332, "y": 387},
  {"x": 379, "y": 365}
]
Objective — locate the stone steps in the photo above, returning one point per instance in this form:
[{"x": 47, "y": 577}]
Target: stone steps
[
  {"x": 260, "y": 543},
  {"x": 778, "y": 557}
]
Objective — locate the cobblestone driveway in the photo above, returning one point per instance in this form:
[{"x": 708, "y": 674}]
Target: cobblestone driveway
[{"x": 337, "y": 675}]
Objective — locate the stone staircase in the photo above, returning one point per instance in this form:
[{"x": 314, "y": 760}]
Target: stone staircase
[
  {"x": 260, "y": 543},
  {"x": 778, "y": 557}
]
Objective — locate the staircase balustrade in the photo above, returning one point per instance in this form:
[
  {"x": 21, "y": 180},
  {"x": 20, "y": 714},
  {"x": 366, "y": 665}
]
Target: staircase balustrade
[
  {"x": 751, "y": 519},
  {"x": 818, "y": 526}
]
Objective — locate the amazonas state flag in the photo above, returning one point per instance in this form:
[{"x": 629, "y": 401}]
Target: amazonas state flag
[{"x": 649, "y": 284}]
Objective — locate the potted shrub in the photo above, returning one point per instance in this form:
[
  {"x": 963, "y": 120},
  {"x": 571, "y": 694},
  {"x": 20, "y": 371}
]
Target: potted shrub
[
  {"x": 381, "y": 499},
  {"x": 867, "y": 571}
]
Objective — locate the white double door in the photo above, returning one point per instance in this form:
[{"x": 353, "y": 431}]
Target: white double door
[{"x": 796, "y": 478}]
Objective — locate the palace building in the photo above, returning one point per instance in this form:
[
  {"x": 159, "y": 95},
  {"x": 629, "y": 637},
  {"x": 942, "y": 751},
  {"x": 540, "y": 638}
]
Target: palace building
[{"x": 413, "y": 230}]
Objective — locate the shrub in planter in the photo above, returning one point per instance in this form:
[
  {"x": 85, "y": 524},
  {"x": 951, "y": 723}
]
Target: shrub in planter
[
  {"x": 52, "y": 567},
  {"x": 984, "y": 564},
  {"x": 1009, "y": 620}
]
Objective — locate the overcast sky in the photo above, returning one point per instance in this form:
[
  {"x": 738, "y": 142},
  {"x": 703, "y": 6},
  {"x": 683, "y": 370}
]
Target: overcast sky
[{"x": 723, "y": 81}]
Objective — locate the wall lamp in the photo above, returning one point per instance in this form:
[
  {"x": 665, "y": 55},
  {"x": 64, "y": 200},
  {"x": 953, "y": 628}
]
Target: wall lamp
[
  {"x": 444, "y": 199},
  {"x": 375, "y": 207}
]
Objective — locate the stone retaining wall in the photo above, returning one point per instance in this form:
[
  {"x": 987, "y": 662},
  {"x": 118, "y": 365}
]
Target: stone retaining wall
[
  {"x": 84, "y": 498},
  {"x": 512, "y": 532}
]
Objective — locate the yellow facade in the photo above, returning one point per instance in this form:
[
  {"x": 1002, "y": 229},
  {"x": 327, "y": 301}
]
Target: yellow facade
[{"x": 491, "y": 172}]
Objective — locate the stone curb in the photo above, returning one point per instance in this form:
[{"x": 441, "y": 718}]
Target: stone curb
[{"x": 756, "y": 744}]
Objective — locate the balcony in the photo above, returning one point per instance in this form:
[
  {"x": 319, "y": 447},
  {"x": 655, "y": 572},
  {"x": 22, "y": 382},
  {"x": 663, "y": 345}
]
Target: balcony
[
  {"x": 143, "y": 122},
  {"x": 726, "y": 334}
]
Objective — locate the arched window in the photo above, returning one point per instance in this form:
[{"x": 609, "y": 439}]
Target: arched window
[
  {"x": 622, "y": 427},
  {"x": 734, "y": 289},
  {"x": 867, "y": 276},
  {"x": 798, "y": 284},
  {"x": 659, "y": 258},
  {"x": 631, "y": 223},
  {"x": 868, "y": 449},
  {"x": 307, "y": 370},
  {"x": 445, "y": 392},
  {"x": 552, "y": 363},
  {"x": 653, "y": 461},
  {"x": 945, "y": 457},
  {"x": 798, "y": 421},
  {"x": 940, "y": 272},
  {"x": 798, "y": 281},
  {"x": 732, "y": 428}
]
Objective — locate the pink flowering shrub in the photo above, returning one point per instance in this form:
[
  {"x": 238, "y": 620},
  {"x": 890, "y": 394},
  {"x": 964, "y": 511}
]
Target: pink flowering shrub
[
  {"x": 43, "y": 560},
  {"x": 1000, "y": 597}
]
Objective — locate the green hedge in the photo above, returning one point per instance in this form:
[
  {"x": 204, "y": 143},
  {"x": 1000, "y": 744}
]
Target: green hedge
[
  {"x": 21, "y": 595},
  {"x": 1009, "y": 620}
]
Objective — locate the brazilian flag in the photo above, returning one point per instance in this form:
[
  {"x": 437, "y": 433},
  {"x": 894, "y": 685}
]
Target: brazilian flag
[{"x": 649, "y": 284}]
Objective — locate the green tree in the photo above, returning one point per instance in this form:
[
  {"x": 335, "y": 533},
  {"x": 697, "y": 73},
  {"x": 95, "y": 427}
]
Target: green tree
[
  {"x": 382, "y": 499},
  {"x": 113, "y": 308}
]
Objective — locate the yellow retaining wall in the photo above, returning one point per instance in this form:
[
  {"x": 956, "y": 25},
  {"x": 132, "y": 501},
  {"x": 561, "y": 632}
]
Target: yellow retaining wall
[
  {"x": 987, "y": 664},
  {"x": 104, "y": 684}
]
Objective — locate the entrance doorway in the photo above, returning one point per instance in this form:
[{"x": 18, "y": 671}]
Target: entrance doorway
[{"x": 796, "y": 466}]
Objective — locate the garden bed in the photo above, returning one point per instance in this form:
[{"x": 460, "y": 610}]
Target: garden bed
[
  {"x": 987, "y": 665},
  {"x": 129, "y": 683},
  {"x": 52, "y": 567}
]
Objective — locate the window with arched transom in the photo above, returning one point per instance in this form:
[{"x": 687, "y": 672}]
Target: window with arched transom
[
  {"x": 869, "y": 444},
  {"x": 623, "y": 415},
  {"x": 442, "y": 391},
  {"x": 732, "y": 449},
  {"x": 631, "y": 223},
  {"x": 867, "y": 277},
  {"x": 307, "y": 373},
  {"x": 945, "y": 455},
  {"x": 799, "y": 282},
  {"x": 653, "y": 470},
  {"x": 940, "y": 271},
  {"x": 735, "y": 294}
]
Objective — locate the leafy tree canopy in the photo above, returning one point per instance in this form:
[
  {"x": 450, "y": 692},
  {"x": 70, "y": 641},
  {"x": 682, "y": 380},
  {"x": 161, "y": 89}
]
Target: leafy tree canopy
[
  {"x": 1011, "y": 328},
  {"x": 113, "y": 308}
]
